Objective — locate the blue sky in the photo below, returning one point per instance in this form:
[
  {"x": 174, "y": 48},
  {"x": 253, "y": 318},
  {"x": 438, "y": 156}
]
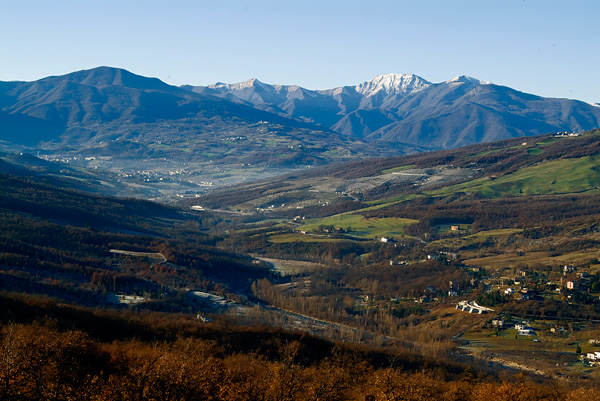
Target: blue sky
[{"x": 547, "y": 47}]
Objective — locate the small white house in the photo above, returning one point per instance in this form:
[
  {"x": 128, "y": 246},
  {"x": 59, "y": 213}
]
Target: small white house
[
  {"x": 594, "y": 356},
  {"x": 572, "y": 285}
]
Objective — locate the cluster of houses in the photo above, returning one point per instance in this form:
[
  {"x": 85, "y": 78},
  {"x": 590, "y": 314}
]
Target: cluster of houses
[
  {"x": 522, "y": 328},
  {"x": 580, "y": 283},
  {"x": 566, "y": 133},
  {"x": 592, "y": 358},
  {"x": 571, "y": 280},
  {"x": 449, "y": 256}
]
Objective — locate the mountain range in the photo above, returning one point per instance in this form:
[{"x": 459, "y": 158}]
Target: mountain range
[
  {"x": 99, "y": 103},
  {"x": 84, "y": 105},
  {"x": 143, "y": 128},
  {"x": 410, "y": 109}
]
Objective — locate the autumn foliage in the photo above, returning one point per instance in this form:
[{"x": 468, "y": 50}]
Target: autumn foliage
[{"x": 185, "y": 360}]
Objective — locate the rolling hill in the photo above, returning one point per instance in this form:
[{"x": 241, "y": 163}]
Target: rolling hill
[
  {"x": 542, "y": 165},
  {"x": 98, "y": 100},
  {"x": 90, "y": 249}
]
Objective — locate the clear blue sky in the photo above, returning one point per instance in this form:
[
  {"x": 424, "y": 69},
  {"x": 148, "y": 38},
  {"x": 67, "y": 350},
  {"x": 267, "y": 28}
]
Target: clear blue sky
[{"x": 547, "y": 47}]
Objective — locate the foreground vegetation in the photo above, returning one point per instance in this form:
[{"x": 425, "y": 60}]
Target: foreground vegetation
[
  {"x": 60, "y": 352},
  {"x": 154, "y": 302}
]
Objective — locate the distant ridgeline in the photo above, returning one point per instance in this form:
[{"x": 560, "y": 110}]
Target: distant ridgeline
[{"x": 111, "y": 119}]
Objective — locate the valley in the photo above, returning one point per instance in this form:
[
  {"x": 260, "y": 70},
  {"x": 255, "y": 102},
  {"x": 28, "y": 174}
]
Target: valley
[
  {"x": 299, "y": 201},
  {"x": 162, "y": 142},
  {"x": 374, "y": 253},
  {"x": 511, "y": 239}
]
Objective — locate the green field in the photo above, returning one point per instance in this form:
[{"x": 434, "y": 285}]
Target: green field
[
  {"x": 507, "y": 341},
  {"x": 361, "y": 227},
  {"x": 555, "y": 177}
]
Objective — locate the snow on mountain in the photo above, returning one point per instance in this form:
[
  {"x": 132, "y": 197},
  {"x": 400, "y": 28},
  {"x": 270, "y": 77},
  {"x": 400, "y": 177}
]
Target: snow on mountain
[
  {"x": 467, "y": 79},
  {"x": 409, "y": 109},
  {"x": 393, "y": 84},
  {"x": 381, "y": 85}
]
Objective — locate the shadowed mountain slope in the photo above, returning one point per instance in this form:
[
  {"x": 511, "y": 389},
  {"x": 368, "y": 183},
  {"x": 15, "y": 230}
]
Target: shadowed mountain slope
[{"x": 407, "y": 108}]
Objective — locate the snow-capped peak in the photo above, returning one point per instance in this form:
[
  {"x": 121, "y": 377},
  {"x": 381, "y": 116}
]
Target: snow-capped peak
[
  {"x": 467, "y": 79},
  {"x": 393, "y": 83},
  {"x": 253, "y": 82}
]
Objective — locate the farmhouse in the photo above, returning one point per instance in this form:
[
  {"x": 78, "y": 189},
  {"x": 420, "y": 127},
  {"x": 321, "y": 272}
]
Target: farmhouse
[
  {"x": 524, "y": 330},
  {"x": 528, "y": 331},
  {"x": 593, "y": 356}
]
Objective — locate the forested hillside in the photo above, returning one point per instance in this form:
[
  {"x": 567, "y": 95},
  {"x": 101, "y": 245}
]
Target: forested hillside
[{"x": 63, "y": 243}]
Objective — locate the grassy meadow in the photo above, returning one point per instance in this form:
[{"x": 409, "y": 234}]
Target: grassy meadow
[
  {"x": 555, "y": 177},
  {"x": 361, "y": 227}
]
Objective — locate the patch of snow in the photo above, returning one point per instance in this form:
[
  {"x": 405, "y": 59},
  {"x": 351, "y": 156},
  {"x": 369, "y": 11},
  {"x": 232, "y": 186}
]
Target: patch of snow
[{"x": 467, "y": 79}]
